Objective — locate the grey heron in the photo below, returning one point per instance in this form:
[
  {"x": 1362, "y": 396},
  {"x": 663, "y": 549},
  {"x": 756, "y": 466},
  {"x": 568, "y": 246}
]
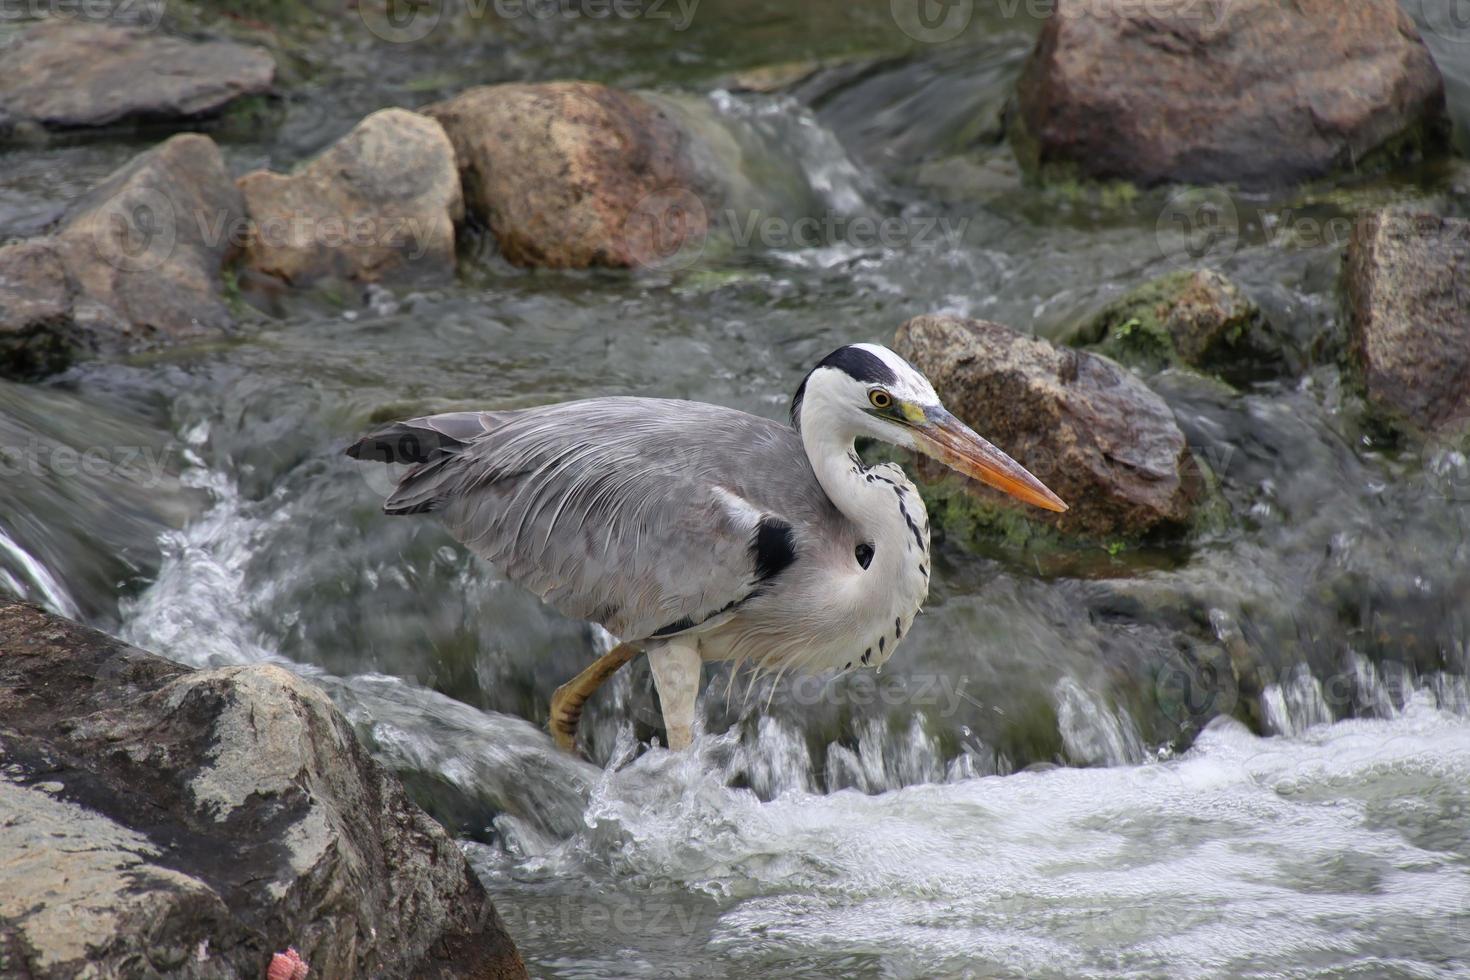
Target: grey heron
[{"x": 695, "y": 532}]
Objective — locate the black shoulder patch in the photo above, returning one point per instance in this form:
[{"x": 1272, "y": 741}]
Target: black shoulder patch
[
  {"x": 773, "y": 547},
  {"x": 859, "y": 364}
]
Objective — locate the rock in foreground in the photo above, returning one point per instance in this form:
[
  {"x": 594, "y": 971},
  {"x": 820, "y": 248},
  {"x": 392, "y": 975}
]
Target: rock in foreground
[
  {"x": 1407, "y": 283},
  {"x": 1255, "y": 93},
  {"x": 135, "y": 262},
  {"x": 1195, "y": 317},
  {"x": 380, "y": 204},
  {"x": 575, "y": 174},
  {"x": 64, "y": 74},
  {"x": 1090, "y": 430},
  {"x": 159, "y": 821}
]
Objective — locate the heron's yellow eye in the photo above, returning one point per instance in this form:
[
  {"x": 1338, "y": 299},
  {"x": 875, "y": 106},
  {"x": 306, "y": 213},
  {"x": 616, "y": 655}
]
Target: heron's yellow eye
[{"x": 881, "y": 399}]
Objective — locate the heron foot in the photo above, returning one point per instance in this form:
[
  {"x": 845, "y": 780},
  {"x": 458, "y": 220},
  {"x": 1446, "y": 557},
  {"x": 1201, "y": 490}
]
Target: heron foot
[{"x": 567, "y": 702}]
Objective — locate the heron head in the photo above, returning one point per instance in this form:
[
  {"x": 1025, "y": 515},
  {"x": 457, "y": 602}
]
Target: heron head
[{"x": 868, "y": 390}]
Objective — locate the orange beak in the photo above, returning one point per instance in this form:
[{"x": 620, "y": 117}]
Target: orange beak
[{"x": 956, "y": 445}]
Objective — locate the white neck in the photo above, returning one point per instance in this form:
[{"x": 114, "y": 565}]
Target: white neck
[{"x": 872, "y": 505}]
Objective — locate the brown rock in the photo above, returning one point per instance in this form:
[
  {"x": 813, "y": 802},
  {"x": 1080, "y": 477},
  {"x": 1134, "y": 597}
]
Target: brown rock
[
  {"x": 380, "y": 203},
  {"x": 72, "y": 73},
  {"x": 36, "y": 329},
  {"x": 1407, "y": 285},
  {"x": 160, "y": 821},
  {"x": 1090, "y": 430},
  {"x": 1256, "y": 93},
  {"x": 575, "y": 174},
  {"x": 141, "y": 255}
]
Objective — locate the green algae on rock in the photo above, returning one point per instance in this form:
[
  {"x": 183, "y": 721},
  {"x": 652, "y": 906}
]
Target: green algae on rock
[{"x": 1195, "y": 317}]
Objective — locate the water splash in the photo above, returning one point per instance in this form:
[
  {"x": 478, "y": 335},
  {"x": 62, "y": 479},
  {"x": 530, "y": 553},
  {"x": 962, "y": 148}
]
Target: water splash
[{"x": 32, "y": 579}]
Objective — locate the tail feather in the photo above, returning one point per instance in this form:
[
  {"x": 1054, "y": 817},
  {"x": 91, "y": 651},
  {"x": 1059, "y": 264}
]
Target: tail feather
[{"x": 431, "y": 444}]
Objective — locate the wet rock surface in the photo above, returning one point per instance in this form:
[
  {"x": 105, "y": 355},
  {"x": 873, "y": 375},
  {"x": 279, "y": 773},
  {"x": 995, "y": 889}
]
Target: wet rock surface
[
  {"x": 575, "y": 174},
  {"x": 135, "y": 262},
  {"x": 1255, "y": 93},
  {"x": 157, "y": 820},
  {"x": 380, "y": 204},
  {"x": 1090, "y": 430},
  {"x": 1195, "y": 317},
  {"x": 1407, "y": 286},
  {"x": 67, "y": 74}
]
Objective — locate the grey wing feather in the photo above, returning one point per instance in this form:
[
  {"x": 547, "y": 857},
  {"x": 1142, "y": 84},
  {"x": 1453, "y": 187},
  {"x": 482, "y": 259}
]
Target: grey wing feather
[{"x": 630, "y": 512}]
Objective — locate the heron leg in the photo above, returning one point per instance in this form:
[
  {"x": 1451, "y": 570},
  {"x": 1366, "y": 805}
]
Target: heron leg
[
  {"x": 567, "y": 702},
  {"x": 676, "y": 670}
]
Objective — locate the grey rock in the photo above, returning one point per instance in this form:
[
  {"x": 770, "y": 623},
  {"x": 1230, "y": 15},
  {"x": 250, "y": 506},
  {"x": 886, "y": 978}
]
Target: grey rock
[
  {"x": 157, "y": 820},
  {"x": 65, "y": 74},
  {"x": 134, "y": 263}
]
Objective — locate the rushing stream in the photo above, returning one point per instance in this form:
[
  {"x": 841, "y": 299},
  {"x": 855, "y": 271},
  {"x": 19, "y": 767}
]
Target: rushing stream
[{"x": 1025, "y": 790}]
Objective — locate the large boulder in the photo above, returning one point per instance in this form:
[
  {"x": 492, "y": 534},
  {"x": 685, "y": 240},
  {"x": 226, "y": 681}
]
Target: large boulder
[
  {"x": 135, "y": 262},
  {"x": 1099, "y": 437},
  {"x": 1407, "y": 285},
  {"x": 63, "y": 73},
  {"x": 160, "y": 821},
  {"x": 380, "y": 204},
  {"x": 1255, "y": 93},
  {"x": 1194, "y": 317},
  {"x": 575, "y": 174}
]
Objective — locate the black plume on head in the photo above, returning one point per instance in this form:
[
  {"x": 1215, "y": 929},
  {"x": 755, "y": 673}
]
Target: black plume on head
[{"x": 861, "y": 365}]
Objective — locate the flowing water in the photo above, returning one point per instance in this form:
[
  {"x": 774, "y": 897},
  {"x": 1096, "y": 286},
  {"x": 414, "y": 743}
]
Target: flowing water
[{"x": 1033, "y": 786}]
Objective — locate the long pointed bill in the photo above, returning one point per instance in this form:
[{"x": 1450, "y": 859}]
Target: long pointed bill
[{"x": 956, "y": 445}]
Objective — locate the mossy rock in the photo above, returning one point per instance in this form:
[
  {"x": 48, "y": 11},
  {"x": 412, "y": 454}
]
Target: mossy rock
[{"x": 1193, "y": 318}]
